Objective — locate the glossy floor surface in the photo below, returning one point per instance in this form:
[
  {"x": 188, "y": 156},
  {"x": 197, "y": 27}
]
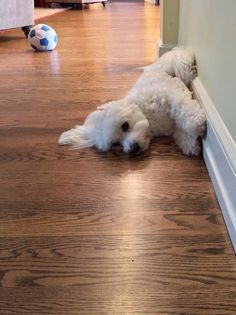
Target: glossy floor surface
[{"x": 83, "y": 232}]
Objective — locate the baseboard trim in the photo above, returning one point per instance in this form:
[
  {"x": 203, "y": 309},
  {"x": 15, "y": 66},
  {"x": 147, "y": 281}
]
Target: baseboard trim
[
  {"x": 219, "y": 151},
  {"x": 163, "y": 48},
  {"x": 150, "y": 1}
]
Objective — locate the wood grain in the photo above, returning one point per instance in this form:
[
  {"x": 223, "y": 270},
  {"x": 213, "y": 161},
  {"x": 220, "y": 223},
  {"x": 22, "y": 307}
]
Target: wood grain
[{"x": 83, "y": 232}]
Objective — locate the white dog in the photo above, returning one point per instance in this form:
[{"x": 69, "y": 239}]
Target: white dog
[{"x": 159, "y": 104}]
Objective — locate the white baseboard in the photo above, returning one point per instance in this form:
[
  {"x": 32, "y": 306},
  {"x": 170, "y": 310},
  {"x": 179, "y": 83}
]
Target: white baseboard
[
  {"x": 219, "y": 151},
  {"x": 150, "y": 1},
  {"x": 163, "y": 48}
]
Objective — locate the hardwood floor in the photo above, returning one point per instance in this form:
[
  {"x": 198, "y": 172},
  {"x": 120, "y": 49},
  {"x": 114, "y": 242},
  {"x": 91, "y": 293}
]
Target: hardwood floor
[{"x": 83, "y": 232}]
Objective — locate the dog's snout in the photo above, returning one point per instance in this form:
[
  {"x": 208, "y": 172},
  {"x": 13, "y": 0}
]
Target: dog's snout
[{"x": 135, "y": 148}]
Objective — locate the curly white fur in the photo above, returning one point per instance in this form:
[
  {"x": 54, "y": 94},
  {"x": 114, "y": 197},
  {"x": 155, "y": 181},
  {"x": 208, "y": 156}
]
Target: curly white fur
[{"x": 158, "y": 104}]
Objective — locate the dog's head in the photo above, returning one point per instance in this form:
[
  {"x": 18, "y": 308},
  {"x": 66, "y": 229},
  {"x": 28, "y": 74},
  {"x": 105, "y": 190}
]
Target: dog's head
[{"x": 116, "y": 122}]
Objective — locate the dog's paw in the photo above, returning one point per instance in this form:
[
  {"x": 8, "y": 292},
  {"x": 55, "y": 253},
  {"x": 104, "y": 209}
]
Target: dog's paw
[
  {"x": 201, "y": 124},
  {"x": 194, "y": 149},
  {"x": 193, "y": 72},
  {"x": 201, "y": 129}
]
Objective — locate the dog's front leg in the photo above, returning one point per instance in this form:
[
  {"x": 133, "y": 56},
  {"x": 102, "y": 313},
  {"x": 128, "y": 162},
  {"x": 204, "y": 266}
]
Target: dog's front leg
[
  {"x": 188, "y": 115},
  {"x": 188, "y": 144}
]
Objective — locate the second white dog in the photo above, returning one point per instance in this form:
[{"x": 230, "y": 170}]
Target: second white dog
[{"x": 159, "y": 104}]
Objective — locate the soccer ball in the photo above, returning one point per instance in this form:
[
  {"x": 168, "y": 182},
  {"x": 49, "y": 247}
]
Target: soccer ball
[{"x": 42, "y": 37}]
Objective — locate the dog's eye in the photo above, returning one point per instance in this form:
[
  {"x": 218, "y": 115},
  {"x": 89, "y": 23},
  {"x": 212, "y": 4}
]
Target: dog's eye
[{"x": 125, "y": 126}]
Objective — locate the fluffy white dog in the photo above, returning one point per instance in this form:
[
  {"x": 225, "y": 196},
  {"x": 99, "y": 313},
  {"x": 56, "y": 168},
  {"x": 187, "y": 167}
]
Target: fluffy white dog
[{"x": 159, "y": 104}]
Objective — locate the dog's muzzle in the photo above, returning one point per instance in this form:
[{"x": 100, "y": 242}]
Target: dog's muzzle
[{"x": 135, "y": 148}]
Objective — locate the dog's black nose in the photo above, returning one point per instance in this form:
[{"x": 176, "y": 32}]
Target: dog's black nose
[{"x": 135, "y": 148}]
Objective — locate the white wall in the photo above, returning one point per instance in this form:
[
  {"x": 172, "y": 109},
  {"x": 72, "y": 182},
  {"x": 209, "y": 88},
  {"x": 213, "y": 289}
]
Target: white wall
[
  {"x": 209, "y": 26},
  {"x": 169, "y": 25}
]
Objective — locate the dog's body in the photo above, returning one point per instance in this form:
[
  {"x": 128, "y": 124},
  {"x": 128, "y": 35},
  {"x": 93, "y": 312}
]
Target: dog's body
[{"x": 159, "y": 104}]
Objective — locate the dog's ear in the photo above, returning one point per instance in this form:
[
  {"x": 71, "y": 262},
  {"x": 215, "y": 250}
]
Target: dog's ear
[
  {"x": 91, "y": 133},
  {"x": 78, "y": 137},
  {"x": 105, "y": 106}
]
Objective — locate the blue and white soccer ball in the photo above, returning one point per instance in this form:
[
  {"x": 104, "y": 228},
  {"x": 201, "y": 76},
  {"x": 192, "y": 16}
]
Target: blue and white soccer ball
[{"x": 42, "y": 37}]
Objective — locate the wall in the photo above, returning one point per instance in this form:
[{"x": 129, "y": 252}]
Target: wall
[
  {"x": 209, "y": 26},
  {"x": 170, "y": 18},
  {"x": 169, "y": 25}
]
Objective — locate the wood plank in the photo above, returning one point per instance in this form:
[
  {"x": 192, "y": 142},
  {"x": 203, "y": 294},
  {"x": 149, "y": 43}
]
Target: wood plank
[{"x": 95, "y": 268}]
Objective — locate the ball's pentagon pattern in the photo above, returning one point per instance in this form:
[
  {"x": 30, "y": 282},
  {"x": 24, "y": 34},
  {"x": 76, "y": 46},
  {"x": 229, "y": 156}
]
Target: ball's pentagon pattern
[
  {"x": 32, "y": 33},
  {"x": 44, "y": 42},
  {"x": 42, "y": 37},
  {"x": 45, "y": 28}
]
